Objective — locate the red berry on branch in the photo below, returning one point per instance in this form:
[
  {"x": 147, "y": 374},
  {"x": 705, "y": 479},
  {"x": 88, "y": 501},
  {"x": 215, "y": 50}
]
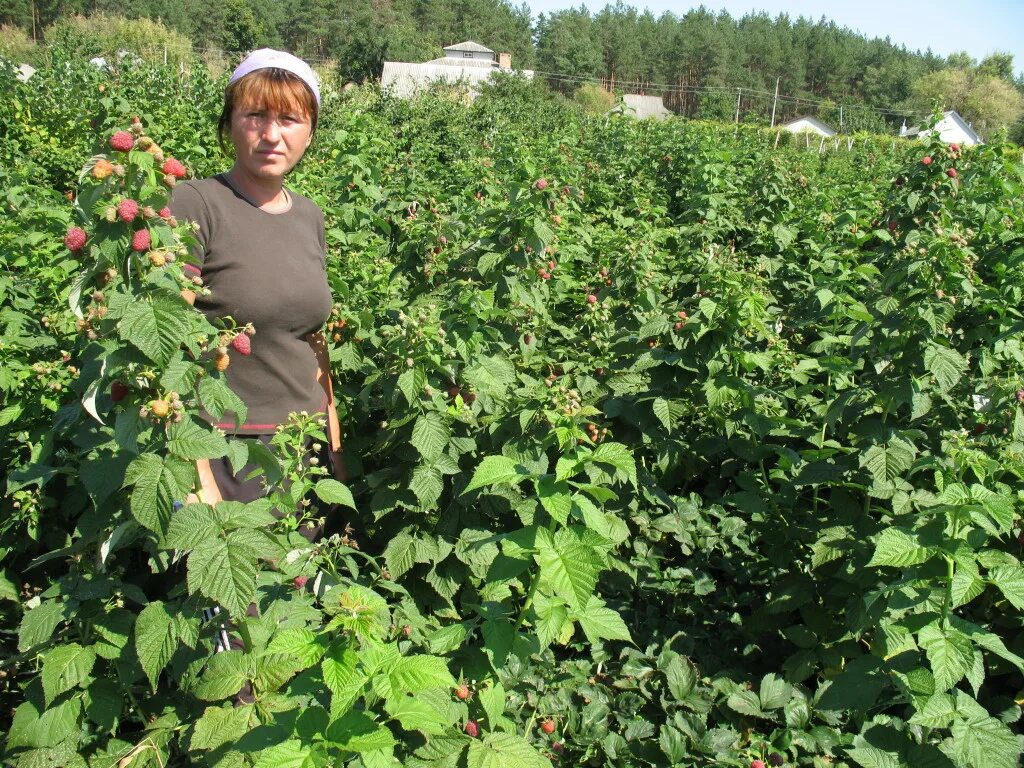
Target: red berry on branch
[
  {"x": 141, "y": 241},
  {"x": 75, "y": 239},
  {"x": 926, "y": 160},
  {"x": 548, "y": 726},
  {"x": 591, "y": 299},
  {"x": 462, "y": 691},
  {"x": 1020, "y": 395},
  {"x": 174, "y": 167},
  {"x": 472, "y": 729},
  {"x": 118, "y": 391},
  {"x": 951, "y": 173},
  {"x": 242, "y": 344},
  {"x": 300, "y": 581},
  {"x": 541, "y": 184},
  {"x": 757, "y": 764},
  {"x": 164, "y": 213},
  {"x": 122, "y": 141},
  {"x": 127, "y": 210}
]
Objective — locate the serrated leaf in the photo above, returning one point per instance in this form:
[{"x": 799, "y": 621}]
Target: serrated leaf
[
  {"x": 427, "y": 485},
  {"x": 157, "y": 483},
  {"x": 600, "y": 622},
  {"x": 302, "y": 644},
  {"x": 156, "y": 327},
  {"x": 1010, "y": 581},
  {"x": 981, "y": 741},
  {"x": 774, "y": 692},
  {"x": 887, "y": 462},
  {"x": 747, "y": 703},
  {"x": 356, "y": 732},
  {"x": 619, "y": 456},
  {"x": 192, "y": 441},
  {"x": 65, "y": 667},
  {"x": 504, "y": 750},
  {"x": 340, "y": 668},
  {"x": 156, "y": 639},
  {"x": 945, "y": 364},
  {"x": 494, "y": 470},
  {"x": 224, "y": 570},
  {"x": 411, "y": 383},
  {"x": 899, "y": 548},
  {"x": 37, "y": 625},
  {"x": 430, "y": 435},
  {"x": 335, "y": 492},
  {"x": 417, "y": 714},
  {"x": 950, "y": 653},
  {"x": 418, "y": 672},
  {"x": 492, "y": 699},
  {"x": 400, "y": 554},
  {"x": 190, "y": 526},
  {"x": 217, "y": 398},
  {"x": 569, "y": 567},
  {"x": 225, "y": 674},
  {"x": 288, "y": 754},
  {"x": 219, "y": 726}
]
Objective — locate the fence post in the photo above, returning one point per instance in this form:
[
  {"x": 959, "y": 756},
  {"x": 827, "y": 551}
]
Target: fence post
[{"x": 776, "y": 100}]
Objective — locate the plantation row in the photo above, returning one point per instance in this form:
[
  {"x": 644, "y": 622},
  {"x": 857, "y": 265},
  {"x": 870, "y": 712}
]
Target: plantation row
[{"x": 665, "y": 446}]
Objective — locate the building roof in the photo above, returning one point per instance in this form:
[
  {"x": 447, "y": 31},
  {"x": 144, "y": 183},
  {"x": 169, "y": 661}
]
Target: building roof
[
  {"x": 951, "y": 116},
  {"x": 645, "y": 106},
  {"x": 454, "y": 61},
  {"x": 404, "y": 80},
  {"x": 468, "y": 45},
  {"x": 822, "y": 127}
]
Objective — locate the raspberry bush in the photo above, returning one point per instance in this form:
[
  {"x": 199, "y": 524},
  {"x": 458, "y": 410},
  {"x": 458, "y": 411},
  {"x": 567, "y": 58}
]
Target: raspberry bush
[{"x": 707, "y": 449}]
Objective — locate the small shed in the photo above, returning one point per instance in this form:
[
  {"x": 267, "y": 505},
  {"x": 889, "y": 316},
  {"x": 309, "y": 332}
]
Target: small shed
[
  {"x": 468, "y": 51},
  {"x": 808, "y": 124},
  {"x": 25, "y": 72},
  {"x": 645, "y": 106},
  {"x": 952, "y": 128}
]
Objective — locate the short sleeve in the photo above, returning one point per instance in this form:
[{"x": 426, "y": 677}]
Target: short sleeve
[{"x": 187, "y": 204}]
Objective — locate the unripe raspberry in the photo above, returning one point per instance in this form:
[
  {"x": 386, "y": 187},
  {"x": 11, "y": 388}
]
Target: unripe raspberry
[
  {"x": 157, "y": 258},
  {"x": 174, "y": 167},
  {"x": 159, "y": 408},
  {"x": 169, "y": 180},
  {"x": 110, "y": 214},
  {"x": 157, "y": 153},
  {"x": 472, "y": 729},
  {"x": 541, "y": 184},
  {"x": 148, "y": 212},
  {"x": 141, "y": 241},
  {"x": 775, "y": 759},
  {"x": 127, "y": 210},
  {"x": 75, "y": 239},
  {"x": 222, "y": 361},
  {"x": 144, "y": 142},
  {"x": 102, "y": 169},
  {"x": 122, "y": 141},
  {"x": 118, "y": 169}
]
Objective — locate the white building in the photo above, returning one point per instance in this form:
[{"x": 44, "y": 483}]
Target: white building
[
  {"x": 808, "y": 124},
  {"x": 469, "y": 63},
  {"x": 645, "y": 106},
  {"x": 952, "y": 129}
]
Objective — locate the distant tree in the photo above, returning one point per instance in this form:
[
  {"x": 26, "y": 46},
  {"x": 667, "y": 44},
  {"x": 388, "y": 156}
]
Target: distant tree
[{"x": 986, "y": 101}]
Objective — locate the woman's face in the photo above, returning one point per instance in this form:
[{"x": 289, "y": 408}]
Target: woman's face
[{"x": 268, "y": 143}]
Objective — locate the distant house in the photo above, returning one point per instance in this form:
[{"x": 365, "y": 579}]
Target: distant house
[
  {"x": 25, "y": 71},
  {"x": 467, "y": 62},
  {"x": 952, "y": 129},
  {"x": 808, "y": 124},
  {"x": 644, "y": 106}
]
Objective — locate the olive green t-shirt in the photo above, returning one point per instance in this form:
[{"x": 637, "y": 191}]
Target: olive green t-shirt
[{"x": 267, "y": 269}]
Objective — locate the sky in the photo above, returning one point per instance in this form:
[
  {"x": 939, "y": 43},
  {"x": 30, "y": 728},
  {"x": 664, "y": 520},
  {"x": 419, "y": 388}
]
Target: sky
[{"x": 979, "y": 27}]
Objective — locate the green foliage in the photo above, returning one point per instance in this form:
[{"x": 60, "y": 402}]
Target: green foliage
[{"x": 759, "y": 496}]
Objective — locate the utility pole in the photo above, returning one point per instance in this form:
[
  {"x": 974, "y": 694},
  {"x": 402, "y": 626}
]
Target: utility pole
[
  {"x": 840, "y": 118},
  {"x": 776, "y": 100},
  {"x": 738, "y": 92}
]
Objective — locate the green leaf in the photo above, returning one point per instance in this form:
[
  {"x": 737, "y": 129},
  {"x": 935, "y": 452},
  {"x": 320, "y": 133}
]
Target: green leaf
[
  {"x": 494, "y": 470},
  {"x": 681, "y": 677},
  {"x": 37, "y": 625},
  {"x": 415, "y": 673},
  {"x": 411, "y": 384},
  {"x": 217, "y": 398},
  {"x": 602, "y": 623},
  {"x": 156, "y": 639},
  {"x": 158, "y": 483},
  {"x": 950, "y": 653},
  {"x": 555, "y": 499},
  {"x": 1010, "y": 581},
  {"x": 104, "y": 703},
  {"x": 945, "y": 364},
  {"x": 981, "y": 741},
  {"x": 619, "y": 456},
  {"x": 430, "y": 435},
  {"x": 775, "y": 692},
  {"x": 492, "y": 699},
  {"x": 340, "y": 668},
  {"x": 157, "y": 327},
  {"x": 288, "y": 754},
  {"x": 504, "y": 750},
  {"x": 219, "y": 726},
  {"x": 335, "y": 492},
  {"x": 887, "y": 462},
  {"x": 225, "y": 674},
  {"x": 190, "y": 526},
  {"x": 400, "y": 554},
  {"x": 899, "y": 548},
  {"x": 356, "y": 732},
  {"x": 65, "y": 667},
  {"x": 747, "y": 703},
  {"x": 552, "y": 616},
  {"x": 192, "y": 441},
  {"x": 569, "y": 567},
  {"x": 302, "y": 644},
  {"x": 224, "y": 570},
  {"x": 417, "y": 714}
]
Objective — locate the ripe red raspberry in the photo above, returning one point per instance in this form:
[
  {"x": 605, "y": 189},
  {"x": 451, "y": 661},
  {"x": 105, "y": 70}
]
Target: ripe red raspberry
[
  {"x": 1019, "y": 395},
  {"x": 300, "y": 581},
  {"x": 141, "y": 241},
  {"x": 242, "y": 344},
  {"x": 174, "y": 167},
  {"x": 552, "y": 265},
  {"x": 127, "y": 210},
  {"x": 75, "y": 239},
  {"x": 541, "y": 184},
  {"x": 559, "y": 747},
  {"x": 757, "y": 764},
  {"x": 462, "y": 691},
  {"x": 118, "y": 391},
  {"x": 472, "y": 729},
  {"x": 954, "y": 147},
  {"x": 951, "y": 173},
  {"x": 926, "y": 160},
  {"x": 591, "y": 299},
  {"x": 548, "y": 726},
  {"x": 122, "y": 141},
  {"x": 164, "y": 213}
]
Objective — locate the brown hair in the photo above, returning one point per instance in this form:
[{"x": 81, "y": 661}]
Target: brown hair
[{"x": 270, "y": 88}]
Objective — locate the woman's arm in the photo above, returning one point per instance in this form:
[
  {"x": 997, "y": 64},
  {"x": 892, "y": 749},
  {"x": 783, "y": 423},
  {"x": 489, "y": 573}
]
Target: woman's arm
[{"x": 323, "y": 375}]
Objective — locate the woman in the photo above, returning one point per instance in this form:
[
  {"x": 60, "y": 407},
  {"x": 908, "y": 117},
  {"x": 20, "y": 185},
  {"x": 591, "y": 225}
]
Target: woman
[{"x": 262, "y": 255}]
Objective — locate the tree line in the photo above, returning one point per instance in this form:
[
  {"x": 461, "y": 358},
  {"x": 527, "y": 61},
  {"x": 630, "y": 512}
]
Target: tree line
[{"x": 703, "y": 63}]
